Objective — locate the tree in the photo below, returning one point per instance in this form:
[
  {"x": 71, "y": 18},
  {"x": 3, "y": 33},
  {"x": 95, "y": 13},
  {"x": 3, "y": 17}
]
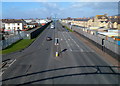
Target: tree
[{"x": 69, "y": 18}]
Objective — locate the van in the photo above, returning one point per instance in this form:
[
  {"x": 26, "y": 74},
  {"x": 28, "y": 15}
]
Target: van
[{"x": 52, "y": 27}]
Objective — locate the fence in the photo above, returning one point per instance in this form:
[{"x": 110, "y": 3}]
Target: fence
[
  {"x": 111, "y": 47},
  {"x": 7, "y": 42},
  {"x": 26, "y": 35}
]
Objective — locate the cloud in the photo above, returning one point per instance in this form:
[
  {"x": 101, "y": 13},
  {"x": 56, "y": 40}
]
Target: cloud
[
  {"x": 24, "y": 0},
  {"x": 52, "y": 8},
  {"x": 106, "y": 5},
  {"x": 46, "y": 10},
  {"x": 88, "y": 9},
  {"x": 96, "y": 5},
  {"x": 53, "y": 5},
  {"x": 62, "y": 10},
  {"x": 60, "y": 0}
]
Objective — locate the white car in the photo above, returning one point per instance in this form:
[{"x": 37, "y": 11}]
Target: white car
[{"x": 52, "y": 26}]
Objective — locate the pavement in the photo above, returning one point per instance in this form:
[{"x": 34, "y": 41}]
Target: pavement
[
  {"x": 103, "y": 54},
  {"x": 77, "y": 63}
]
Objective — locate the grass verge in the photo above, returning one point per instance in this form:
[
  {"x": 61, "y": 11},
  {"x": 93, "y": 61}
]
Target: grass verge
[
  {"x": 68, "y": 29},
  {"x": 19, "y": 45}
]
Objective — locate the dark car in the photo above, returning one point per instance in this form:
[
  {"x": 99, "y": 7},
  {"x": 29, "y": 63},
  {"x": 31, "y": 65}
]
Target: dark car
[
  {"x": 48, "y": 38},
  {"x": 63, "y": 26}
]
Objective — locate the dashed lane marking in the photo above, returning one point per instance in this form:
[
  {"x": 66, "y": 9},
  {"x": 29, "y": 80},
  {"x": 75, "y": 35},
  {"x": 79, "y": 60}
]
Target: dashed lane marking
[
  {"x": 1, "y": 73},
  {"x": 74, "y": 42},
  {"x": 67, "y": 42}
]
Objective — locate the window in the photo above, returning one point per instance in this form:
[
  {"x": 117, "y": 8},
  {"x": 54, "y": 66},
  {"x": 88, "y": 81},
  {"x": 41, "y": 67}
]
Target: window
[
  {"x": 8, "y": 24},
  {"x": 8, "y": 27},
  {"x": 18, "y": 28},
  {"x": 13, "y": 23},
  {"x": 18, "y": 24}
]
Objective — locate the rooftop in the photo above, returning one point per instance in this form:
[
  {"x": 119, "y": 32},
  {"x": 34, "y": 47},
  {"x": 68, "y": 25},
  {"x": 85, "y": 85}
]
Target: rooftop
[
  {"x": 101, "y": 16},
  {"x": 81, "y": 19},
  {"x": 12, "y": 20}
]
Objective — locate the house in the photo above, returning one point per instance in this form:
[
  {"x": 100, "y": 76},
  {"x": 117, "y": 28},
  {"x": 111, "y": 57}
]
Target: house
[
  {"x": 43, "y": 22},
  {"x": 90, "y": 23},
  {"x": 101, "y": 21},
  {"x": 80, "y": 22},
  {"x": 29, "y": 26},
  {"x": 12, "y": 25},
  {"x": 28, "y": 20},
  {"x": 114, "y": 22}
]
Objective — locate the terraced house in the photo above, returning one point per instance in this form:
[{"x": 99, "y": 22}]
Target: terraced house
[
  {"x": 12, "y": 25},
  {"x": 99, "y": 21},
  {"x": 114, "y": 22}
]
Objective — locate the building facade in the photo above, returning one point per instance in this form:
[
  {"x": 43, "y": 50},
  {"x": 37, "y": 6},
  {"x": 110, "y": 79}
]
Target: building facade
[
  {"x": 12, "y": 25},
  {"x": 100, "y": 21}
]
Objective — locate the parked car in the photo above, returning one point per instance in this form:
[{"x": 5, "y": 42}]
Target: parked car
[{"x": 48, "y": 38}]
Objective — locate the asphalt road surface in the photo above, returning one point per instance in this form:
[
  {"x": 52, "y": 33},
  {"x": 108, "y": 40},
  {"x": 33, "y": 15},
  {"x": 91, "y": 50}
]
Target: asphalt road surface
[{"x": 76, "y": 63}]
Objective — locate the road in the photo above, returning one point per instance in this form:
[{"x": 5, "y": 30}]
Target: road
[{"x": 76, "y": 63}]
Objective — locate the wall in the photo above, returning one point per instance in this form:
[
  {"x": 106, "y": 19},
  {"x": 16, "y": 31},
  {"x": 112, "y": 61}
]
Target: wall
[
  {"x": 12, "y": 25},
  {"x": 109, "y": 47},
  {"x": 7, "y": 42},
  {"x": 36, "y": 32}
]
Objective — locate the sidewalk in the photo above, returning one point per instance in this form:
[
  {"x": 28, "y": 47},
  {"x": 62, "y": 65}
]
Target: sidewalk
[{"x": 106, "y": 56}]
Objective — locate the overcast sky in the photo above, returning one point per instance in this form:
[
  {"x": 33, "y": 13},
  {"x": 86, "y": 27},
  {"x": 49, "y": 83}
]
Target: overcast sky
[{"x": 58, "y": 9}]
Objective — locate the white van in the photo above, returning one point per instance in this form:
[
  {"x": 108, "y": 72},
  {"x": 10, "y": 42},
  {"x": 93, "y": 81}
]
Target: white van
[{"x": 52, "y": 26}]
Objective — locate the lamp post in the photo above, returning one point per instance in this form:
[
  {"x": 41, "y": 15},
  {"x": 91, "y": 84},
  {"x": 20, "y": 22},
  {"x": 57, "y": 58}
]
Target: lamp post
[
  {"x": 18, "y": 32},
  {"x": 70, "y": 26}
]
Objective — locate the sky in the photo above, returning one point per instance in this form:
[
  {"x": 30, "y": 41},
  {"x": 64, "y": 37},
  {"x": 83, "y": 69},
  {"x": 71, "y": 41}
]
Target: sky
[
  {"x": 60, "y": 0},
  {"x": 18, "y": 10}
]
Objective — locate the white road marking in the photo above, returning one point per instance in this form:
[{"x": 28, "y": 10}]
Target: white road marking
[
  {"x": 75, "y": 42},
  {"x": 1, "y": 73},
  {"x": 66, "y": 42},
  {"x": 12, "y": 62}
]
